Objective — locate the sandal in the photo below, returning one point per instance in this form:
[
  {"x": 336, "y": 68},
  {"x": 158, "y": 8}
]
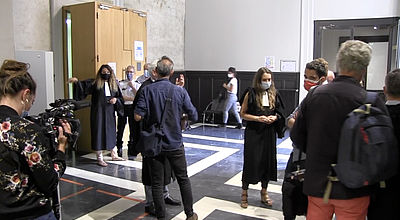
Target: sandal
[
  {"x": 244, "y": 203},
  {"x": 117, "y": 159},
  {"x": 265, "y": 198},
  {"x": 102, "y": 163}
]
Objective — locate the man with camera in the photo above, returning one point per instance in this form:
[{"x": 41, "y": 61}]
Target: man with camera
[{"x": 29, "y": 167}]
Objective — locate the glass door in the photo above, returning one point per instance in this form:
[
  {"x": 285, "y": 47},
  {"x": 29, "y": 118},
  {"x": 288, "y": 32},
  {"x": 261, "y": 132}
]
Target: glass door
[{"x": 381, "y": 34}]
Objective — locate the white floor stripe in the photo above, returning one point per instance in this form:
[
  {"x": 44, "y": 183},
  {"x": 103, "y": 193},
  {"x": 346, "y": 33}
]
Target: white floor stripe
[
  {"x": 193, "y": 169},
  {"x": 222, "y": 153},
  {"x": 114, "y": 208},
  {"x": 205, "y": 206},
  {"x": 110, "y": 210},
  {"x": 209, "y": 138},
  {"x": 237, "y": 181},
  {"x": 109, "y": 180},
  {"x": 287, "y": 143}
]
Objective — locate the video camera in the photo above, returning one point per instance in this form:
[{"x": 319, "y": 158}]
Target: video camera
[{"x": 49, "y": 120}]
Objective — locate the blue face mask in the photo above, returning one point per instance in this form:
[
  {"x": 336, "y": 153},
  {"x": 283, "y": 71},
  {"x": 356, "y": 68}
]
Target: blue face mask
[
  {"x": 129, "y": 76},
  {"x": 266, "y": 85},
  {"x": 146, "y": 74}
]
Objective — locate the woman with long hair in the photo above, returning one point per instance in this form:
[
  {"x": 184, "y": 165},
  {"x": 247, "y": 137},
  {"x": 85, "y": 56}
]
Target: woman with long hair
[
  {"x": 106, "y": 98},
  {"x": 261, "y": 109}
]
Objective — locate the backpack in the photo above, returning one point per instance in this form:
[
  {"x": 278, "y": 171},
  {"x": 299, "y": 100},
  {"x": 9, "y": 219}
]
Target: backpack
[{"x": 368, "y": 152}]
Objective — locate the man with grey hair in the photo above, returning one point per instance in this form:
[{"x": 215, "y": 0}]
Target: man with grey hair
[
  {"x": 383, "y": 205},
  {"x": 318, "y": 135},
  {"x": 150, "y": 106}
]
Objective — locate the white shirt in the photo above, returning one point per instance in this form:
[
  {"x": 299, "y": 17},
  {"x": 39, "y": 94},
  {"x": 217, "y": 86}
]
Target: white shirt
[
  {"x": 127, "y": 90},
  {"x": 234, "y": 84},
  {"x": 107, "y": 89}
]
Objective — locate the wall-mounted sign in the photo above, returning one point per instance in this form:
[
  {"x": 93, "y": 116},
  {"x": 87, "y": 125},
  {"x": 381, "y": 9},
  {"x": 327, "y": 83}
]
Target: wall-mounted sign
[
  {"x": 139, "y": 52},
  {"x": 288, "y": 66},
  {"x": 270, "y": 62}
]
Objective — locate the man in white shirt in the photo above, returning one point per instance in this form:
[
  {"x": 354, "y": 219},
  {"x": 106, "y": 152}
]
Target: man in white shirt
[{"x": 128, "y": 88}]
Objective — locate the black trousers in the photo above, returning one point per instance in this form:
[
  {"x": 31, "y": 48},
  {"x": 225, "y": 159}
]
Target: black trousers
[
  {"x": 178, "y": 164},
  {"x": 128, "y": 115}
]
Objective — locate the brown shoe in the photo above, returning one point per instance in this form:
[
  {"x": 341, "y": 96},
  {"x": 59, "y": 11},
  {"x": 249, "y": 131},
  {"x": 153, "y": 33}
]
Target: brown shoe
[
  {"x": 102, "y": 163},
  {"x": 265, "y": 198},
  {"x": 193, "y": 217},
  {"x": 244, "y": 203}
]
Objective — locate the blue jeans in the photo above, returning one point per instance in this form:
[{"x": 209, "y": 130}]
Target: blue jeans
[
  {"x": 230, "y": 106},
  {"x": 178, "y": 164}
]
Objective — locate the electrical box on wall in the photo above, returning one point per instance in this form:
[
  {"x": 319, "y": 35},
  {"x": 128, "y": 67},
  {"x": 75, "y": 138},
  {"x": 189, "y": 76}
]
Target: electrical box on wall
[{"x": 41, "y": 69}]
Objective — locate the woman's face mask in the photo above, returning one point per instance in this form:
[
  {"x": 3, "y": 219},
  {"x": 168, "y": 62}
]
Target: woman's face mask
[
  {"x": 230, "y": 75},
  {"x": 105, "y": 76},
  {"x": 266, "y": 85}
]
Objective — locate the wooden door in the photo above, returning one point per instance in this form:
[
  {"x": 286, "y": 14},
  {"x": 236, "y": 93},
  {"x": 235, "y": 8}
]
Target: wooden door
[
  {"x": 84, "y": 64},
  {"x": 135, "y": 30},
  {"x": 110, "y": 38}
]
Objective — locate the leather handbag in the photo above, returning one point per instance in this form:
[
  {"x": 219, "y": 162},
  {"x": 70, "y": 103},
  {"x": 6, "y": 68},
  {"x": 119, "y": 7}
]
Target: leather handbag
[{"x": 149, "y": 144}]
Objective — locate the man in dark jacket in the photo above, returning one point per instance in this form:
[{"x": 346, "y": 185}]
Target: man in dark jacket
[
  {"x": 317, "y": 132},
  {"x": 383, "y": 205},
  {"x": 150, "y": 106}
]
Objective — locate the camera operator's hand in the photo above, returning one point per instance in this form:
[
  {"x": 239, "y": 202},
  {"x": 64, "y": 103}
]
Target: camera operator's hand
[
  {"x": 73, "y": 80},
  {"x": 62, "y": 139}
]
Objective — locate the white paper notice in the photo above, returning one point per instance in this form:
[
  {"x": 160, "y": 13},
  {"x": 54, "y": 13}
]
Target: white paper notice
[
  {"x": 288, "y": 66},
  {"x": 270, "y": 62},
  {"x": 113, "y": 66},
  {"x": 139, "y": 53}
]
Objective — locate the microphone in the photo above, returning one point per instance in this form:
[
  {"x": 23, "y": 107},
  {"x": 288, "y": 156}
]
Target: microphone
[
  {"x": 68, "y": 104},
  {"x": 80, "y": 104}
]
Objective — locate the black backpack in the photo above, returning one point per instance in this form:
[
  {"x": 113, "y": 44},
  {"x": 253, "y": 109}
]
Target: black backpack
[{"x": 368, "y": 152}]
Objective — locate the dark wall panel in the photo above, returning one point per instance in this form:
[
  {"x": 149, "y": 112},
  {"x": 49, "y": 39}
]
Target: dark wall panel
[{"x": 204, "y": 86}]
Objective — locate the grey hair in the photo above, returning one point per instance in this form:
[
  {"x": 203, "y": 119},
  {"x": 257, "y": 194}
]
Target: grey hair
[
  {"x": 164, "y": 66},
  {"x": 130, "y": 67},
  {"x": 353, "y": 55},
  {"x": 392, "y": 83},
  {"x": 150, "y": 67}
]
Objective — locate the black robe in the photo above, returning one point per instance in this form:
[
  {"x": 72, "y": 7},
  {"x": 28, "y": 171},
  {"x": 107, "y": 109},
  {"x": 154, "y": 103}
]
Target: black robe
[
  {"x": 260, "y": 162},
  {"x": 102, "y": 113}
]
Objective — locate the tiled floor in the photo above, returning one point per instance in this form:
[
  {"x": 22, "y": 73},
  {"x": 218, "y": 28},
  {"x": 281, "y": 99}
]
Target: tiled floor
[{"x": 214, "y": 157}]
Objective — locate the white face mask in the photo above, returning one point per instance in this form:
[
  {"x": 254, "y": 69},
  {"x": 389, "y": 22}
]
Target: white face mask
[
  {"x": 230, "y": 75},
  {"x": 266, "y": 85}
]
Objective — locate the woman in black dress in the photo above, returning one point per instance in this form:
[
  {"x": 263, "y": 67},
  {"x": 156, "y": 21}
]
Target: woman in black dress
[
  {"x": 106, "y": 99},
  {"x": 261, "y": 109}
]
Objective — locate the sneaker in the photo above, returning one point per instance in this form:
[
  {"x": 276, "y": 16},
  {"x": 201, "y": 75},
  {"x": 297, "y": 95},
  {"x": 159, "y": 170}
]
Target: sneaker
[
  {"x": 193, "y": 217},
  {"x": 239, "y": 126}
]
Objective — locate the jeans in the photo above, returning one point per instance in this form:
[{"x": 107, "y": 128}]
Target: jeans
[
  {"x": 128, "y": 114},
  {"x": 230, "y": 106},
  {"x": 177, "y": 161},
  {"x": 149, "y": 194}
]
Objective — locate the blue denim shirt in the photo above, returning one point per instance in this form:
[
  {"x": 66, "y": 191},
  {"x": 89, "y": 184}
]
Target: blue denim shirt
[{"x": 151, "y": 103}]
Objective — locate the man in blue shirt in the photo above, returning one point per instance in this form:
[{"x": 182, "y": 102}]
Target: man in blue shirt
[{"x": 150, "y": 105}]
